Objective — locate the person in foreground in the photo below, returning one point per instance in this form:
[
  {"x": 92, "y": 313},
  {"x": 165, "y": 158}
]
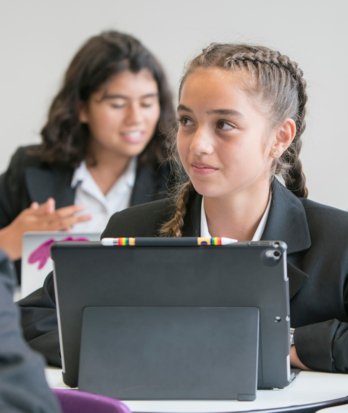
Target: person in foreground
[
  {"x": 241, "y": 116},
  {"x": 102, "y": 147},
  {"x": 23, "y": 387}
]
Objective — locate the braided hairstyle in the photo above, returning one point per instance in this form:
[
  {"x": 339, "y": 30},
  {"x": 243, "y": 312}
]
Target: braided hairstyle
[{"x": 279, "y": 82}]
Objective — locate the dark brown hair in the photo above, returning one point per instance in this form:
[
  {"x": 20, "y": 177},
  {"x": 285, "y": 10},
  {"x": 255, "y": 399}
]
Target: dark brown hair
[
  {"x": 64, "y": 138},
  {"x": 279, "y": 82}
]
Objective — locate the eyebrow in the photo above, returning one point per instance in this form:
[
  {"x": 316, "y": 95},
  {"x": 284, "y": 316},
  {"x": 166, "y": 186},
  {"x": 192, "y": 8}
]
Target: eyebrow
[
  {"x": 108, "y": 96},
  {"x": 212, "y": 111}
]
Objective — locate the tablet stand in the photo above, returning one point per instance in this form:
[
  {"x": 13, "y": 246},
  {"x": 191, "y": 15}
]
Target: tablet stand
[{"x": 170, "y": 353}]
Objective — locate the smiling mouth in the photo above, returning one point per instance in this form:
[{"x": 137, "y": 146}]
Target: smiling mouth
[{"x": 133, "y": 136}]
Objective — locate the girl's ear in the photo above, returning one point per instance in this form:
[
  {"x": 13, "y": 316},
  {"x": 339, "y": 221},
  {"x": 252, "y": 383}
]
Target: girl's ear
[
  {"x": 83, "y": 112},
  {"x": 285, "y": 134}
]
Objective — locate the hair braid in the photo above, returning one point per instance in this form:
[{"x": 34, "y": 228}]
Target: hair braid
[
  {"x": 173, "y": 227},
  {"x": 294, "y": 177}
]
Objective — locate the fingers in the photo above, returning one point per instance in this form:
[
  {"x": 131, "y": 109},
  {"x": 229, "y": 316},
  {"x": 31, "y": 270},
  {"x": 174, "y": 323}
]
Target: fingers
[
  {"x": 50, "y": 205},
  {"x": 42, "y": 217},
  {"x": 68, "y": 210},
  {"x": 63, "y": 218},
  {"x": 66, "y": 223},
  {"x": 45, "y": 217},
  {"x": 47, "y": 207},
  {"x": 34, "y": 205}
]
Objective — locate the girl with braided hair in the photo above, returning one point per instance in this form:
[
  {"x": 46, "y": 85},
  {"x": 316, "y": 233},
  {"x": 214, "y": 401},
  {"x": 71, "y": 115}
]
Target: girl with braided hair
[{"x": 241, "y": 116}]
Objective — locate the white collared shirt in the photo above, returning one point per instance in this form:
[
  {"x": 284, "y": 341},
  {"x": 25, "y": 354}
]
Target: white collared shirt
[
  {"x": 95, "y": 203},
  {"x": 259, "y": 230}
]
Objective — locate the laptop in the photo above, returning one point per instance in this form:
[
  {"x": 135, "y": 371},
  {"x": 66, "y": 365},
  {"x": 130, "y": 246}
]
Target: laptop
[
  {"x": 36, "y": 260},
  {"x": 168, "y": 319}
]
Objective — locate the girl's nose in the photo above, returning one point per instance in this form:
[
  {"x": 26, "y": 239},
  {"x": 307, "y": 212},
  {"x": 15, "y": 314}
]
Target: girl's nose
[
  {"x": 134, "y": 114},
  {"x": 201, "y": 142}
]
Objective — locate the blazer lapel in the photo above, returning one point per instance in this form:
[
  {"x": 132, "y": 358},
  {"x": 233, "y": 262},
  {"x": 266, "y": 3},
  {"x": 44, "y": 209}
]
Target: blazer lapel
[
  {"x": 44, "y": 183},
  {"x": 296, "y": 278},
  {"x": 287, "y": 221},
  {"x": 192, "y": 222},
  {"x": 144, "y": 186}
]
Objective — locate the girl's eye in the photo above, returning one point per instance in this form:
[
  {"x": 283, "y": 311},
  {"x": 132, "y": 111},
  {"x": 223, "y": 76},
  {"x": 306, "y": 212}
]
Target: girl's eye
[
  {"x": 224, "y": 125},
  {"x": 147, "y": 104},
  {"x": 185, "y": 121},
  {"x": 117, "y": 105}
]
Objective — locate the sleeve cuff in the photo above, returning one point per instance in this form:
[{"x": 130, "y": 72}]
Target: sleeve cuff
[{"x": 314, "y": 345}]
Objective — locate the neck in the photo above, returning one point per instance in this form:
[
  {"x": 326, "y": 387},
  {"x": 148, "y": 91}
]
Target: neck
[
  {"x": 236, "y": 217},
  {"x": 106, "y": 168}
]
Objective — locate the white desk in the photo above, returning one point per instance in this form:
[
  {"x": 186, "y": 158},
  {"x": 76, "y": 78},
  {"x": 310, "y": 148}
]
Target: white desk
[
  {"x": 337, "y": 409},
  {"x": 308, "y": 387}
]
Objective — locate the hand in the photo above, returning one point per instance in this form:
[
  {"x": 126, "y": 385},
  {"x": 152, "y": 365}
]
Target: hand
[
  {"x": 44, "y": 217},
  {"x": 295, "y": 361}
]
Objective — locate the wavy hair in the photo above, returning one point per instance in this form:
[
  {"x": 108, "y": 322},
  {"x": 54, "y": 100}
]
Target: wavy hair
[{"x": 64, "y": 138}]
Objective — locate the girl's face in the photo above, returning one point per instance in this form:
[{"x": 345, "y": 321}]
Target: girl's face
[
  {"x": 224, "y": 141},
  {"x": 122, "y": 116}
]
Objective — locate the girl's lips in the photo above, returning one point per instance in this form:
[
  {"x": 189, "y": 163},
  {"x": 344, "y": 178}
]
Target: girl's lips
[{"x": 203, "y": 169}]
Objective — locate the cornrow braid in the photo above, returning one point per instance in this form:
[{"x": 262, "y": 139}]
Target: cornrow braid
[
  {"x": 293, "y": 176},
  {"x": 173, "y": 227}
]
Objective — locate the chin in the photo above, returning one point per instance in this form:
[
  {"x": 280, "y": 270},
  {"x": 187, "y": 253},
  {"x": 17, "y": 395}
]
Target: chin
[
  {"x": 134, "y": 150},
  {"x": 208, "y": 191}
]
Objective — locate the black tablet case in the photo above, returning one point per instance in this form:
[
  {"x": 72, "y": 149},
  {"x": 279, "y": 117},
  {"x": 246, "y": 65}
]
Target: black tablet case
[{"x": 166, "y": 279}]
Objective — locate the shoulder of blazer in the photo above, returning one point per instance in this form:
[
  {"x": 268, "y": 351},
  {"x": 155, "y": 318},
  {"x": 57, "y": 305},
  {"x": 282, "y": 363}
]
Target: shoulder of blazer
[
  {"x": 327, "y": 222},
  {"x": 14, "y": 196},
  {"x": 142, "y": 220},
  {"x": 38, "y": 179},
  {"x": 287, "y": 220},
  {"x": 23, "y": 157},
  {"x": 319, "y": 210}
]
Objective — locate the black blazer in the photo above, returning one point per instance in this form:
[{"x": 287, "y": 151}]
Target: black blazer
[
  {"x": 23, "y": 386},
  {"x": 28, "y": 179},
  {"x": 317, "y": 239}
]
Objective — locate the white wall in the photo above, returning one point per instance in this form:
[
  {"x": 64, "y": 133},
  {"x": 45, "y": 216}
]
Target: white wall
[{"x": 39, "y": 37}]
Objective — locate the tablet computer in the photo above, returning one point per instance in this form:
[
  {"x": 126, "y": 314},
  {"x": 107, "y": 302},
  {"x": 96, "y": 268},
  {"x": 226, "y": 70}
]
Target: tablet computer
[{"x": 176, "y": 288}]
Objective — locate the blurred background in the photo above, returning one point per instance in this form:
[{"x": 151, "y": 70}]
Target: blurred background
[{"x": 39, "y": 37}]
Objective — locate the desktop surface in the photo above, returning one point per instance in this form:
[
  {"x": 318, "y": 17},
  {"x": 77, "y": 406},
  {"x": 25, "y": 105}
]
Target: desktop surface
[{"x": 308, "y": 387}]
